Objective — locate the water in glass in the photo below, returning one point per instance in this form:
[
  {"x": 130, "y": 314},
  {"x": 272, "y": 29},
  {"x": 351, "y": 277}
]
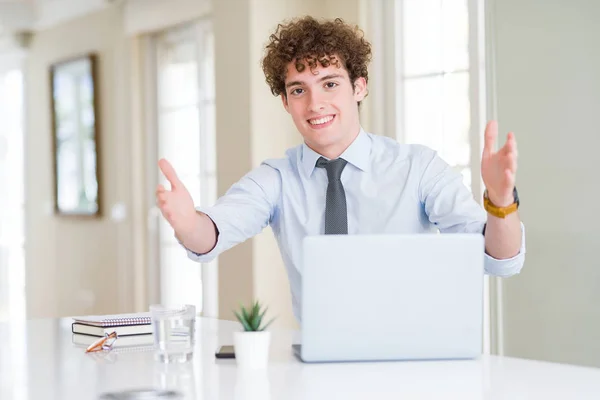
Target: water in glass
[{"x": 174, "y": 332}]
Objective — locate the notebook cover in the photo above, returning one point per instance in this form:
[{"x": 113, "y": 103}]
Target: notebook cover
[{"x": 123, "y": 330}]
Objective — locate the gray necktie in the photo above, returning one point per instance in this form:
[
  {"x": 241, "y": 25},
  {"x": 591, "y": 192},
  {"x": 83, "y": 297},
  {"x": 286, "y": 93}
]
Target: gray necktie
[{"x": 336, "y": 216}]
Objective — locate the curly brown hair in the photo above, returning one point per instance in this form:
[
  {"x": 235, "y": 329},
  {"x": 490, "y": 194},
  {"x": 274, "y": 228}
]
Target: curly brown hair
[{"x": 308, "y": 40}]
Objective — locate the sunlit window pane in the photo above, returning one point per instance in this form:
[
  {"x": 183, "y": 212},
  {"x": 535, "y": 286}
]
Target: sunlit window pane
[
  {"x": 179, "y": 76},
  {"x": 179, "y": 139},
  {"x": 208, "y": 67},
  {"x": 455, "y": 48},
  {"x": 457, "y": 116},
  {"x": 11, "y": 139},
  {"x": 423, "y": 111},
  {"x": 210, "y": 139},
  {"x": 422, "y": 32},
  {"x": 180, "y": 279},
  {"x": 194, "y": 186},
  {"x": 12, "y": 229},
  {"x": 186, "y": 138},
  {"x": 436, "y": 103},
  {"x": 12, "y": 207}
]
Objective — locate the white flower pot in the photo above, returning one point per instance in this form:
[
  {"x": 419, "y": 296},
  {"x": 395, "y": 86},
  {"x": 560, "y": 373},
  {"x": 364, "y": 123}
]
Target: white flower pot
[{"x": 252, "y": 349}]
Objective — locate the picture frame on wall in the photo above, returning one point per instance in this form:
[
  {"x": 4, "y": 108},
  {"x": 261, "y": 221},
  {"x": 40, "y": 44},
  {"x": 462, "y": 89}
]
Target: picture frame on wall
[{"x": 75, "y": 136}]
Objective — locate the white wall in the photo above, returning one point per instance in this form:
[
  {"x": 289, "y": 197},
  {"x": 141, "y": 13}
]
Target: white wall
[
  {"x": 548, "y": 92},
  {"x": 77, "y": 266},
  {"x": 152, "y": 15}
]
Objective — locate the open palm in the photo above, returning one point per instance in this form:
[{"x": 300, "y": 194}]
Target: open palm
[{"x": 499, "y": 169}]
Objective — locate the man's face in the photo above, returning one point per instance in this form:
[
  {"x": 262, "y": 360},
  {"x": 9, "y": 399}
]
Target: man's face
[{"x": 323, "y": 105}]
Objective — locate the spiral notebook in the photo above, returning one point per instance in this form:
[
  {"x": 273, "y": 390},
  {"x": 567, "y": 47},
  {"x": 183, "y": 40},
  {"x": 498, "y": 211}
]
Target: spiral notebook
[
  {"x": 106, "y": 321},
  {"x": 123, "y": 324}
]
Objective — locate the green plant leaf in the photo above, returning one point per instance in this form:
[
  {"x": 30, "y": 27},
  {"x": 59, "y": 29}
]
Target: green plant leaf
[
  {"x": 245, "y": 314},
  {"x": 252, "y": 317},
  {"x": 262, "y": 315},
  {"x": 238, "y": 316},
  {"x": 255, "y": 321},
  {"x": 267, "y": 325},
  {"x": 243, "y": 321}
]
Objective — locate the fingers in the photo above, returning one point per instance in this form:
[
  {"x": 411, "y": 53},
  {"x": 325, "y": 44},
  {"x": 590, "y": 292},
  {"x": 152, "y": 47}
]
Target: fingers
[
  {"x": 169, "y": 172},
  {"x": 510, "y": 151},
  {"x": 511, "y": 144},
  {"x": 491, "y": 132},
  {"x": 161, "y": 195},
  {"x": 162, "y": 199}
]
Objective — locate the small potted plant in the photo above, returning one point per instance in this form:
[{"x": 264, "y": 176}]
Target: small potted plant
[{"x": 252, "y": 343}]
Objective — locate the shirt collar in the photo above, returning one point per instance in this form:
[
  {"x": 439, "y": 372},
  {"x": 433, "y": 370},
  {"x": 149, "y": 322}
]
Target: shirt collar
[{"x": 356, "y": 154}]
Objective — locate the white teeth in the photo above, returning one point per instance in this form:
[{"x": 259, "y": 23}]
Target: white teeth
[{"x": 321, "y": 120}]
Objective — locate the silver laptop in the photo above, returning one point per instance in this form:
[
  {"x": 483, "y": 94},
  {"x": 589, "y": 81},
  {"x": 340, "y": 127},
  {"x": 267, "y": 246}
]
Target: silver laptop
[{"x": 391, "y": 297}]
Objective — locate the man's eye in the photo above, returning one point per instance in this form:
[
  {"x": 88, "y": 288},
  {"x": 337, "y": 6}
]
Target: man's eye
[
  {"x": 297, "y": 91},
  {"x": 331, "y": 85}
]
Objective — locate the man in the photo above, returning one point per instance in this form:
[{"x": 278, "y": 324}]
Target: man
[{"x": 343, "y": 179}]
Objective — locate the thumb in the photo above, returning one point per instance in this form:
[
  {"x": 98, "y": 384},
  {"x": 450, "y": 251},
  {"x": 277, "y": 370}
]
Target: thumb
[
  {"x": 169, "y": 172},
  {"x": 491, "y": 132}
]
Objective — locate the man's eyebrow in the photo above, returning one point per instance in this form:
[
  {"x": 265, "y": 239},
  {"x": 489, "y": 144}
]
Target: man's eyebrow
[
  {"x": 331, "y": 76},
  {"x": 326, "y": 77},
  {"x": 294, "y": 83}
]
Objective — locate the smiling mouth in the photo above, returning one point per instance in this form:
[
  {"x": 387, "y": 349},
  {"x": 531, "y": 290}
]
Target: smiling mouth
[{"x": 321, "y": 121}]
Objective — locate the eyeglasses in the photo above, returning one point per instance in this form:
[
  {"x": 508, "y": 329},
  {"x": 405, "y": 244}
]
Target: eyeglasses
[{"x": 105, "y": 343}]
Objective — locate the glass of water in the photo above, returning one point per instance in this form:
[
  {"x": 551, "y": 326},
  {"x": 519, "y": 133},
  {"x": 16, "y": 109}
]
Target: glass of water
[{"x": 174, "y": 332}]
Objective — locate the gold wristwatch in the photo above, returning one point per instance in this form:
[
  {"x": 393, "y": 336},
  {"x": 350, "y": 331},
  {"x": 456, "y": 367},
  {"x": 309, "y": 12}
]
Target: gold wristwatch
[{"x": 500, "y": 212}]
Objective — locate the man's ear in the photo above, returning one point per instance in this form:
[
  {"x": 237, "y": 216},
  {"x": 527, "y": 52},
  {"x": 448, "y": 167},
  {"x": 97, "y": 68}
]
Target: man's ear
[
  {"x": 360, "y": 89},
  {"x": 285, "y": 102}
]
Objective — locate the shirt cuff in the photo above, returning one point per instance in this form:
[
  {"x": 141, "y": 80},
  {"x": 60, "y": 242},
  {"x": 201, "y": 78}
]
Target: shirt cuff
[
  {"x": 216, "y": 218},
  {"x": 509, "y": 266}
]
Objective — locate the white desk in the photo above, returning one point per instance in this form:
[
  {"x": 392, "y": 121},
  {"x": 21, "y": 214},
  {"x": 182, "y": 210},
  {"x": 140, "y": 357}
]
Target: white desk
[{"x": 43, "y": 363}]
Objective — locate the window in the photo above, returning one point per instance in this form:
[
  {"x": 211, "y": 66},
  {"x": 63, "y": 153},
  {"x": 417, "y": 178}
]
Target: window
[
  {"x": 434, "y": 80},
  {"x": 185, "y": 102},
  {"x": 12, "y": 200}
]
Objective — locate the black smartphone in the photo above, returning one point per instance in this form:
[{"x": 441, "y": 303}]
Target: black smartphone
[{"x": 225, "y": 352}]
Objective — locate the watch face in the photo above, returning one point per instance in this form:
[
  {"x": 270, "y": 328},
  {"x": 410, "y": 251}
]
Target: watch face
[{"x": 516, "y": 195}]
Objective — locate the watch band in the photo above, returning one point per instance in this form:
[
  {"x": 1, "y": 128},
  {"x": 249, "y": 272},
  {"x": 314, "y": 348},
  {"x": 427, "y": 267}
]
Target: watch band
[{"x": 500, "y": 212}]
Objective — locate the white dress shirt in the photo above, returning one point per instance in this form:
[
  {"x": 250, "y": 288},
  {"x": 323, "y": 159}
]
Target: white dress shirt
[{"x": 390, "y": 188}]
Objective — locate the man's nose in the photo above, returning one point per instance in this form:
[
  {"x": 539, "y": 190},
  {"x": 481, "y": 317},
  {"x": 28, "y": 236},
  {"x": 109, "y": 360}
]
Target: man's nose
[{"x": 316, "y": 103}]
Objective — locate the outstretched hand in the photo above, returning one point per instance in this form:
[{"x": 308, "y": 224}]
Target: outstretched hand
[
  {"x": 498, "y": 169},
  {"x": 176, "y": 205}
]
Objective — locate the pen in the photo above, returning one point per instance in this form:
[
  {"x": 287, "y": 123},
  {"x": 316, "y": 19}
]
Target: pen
[{"x": 99, "y": 344}]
